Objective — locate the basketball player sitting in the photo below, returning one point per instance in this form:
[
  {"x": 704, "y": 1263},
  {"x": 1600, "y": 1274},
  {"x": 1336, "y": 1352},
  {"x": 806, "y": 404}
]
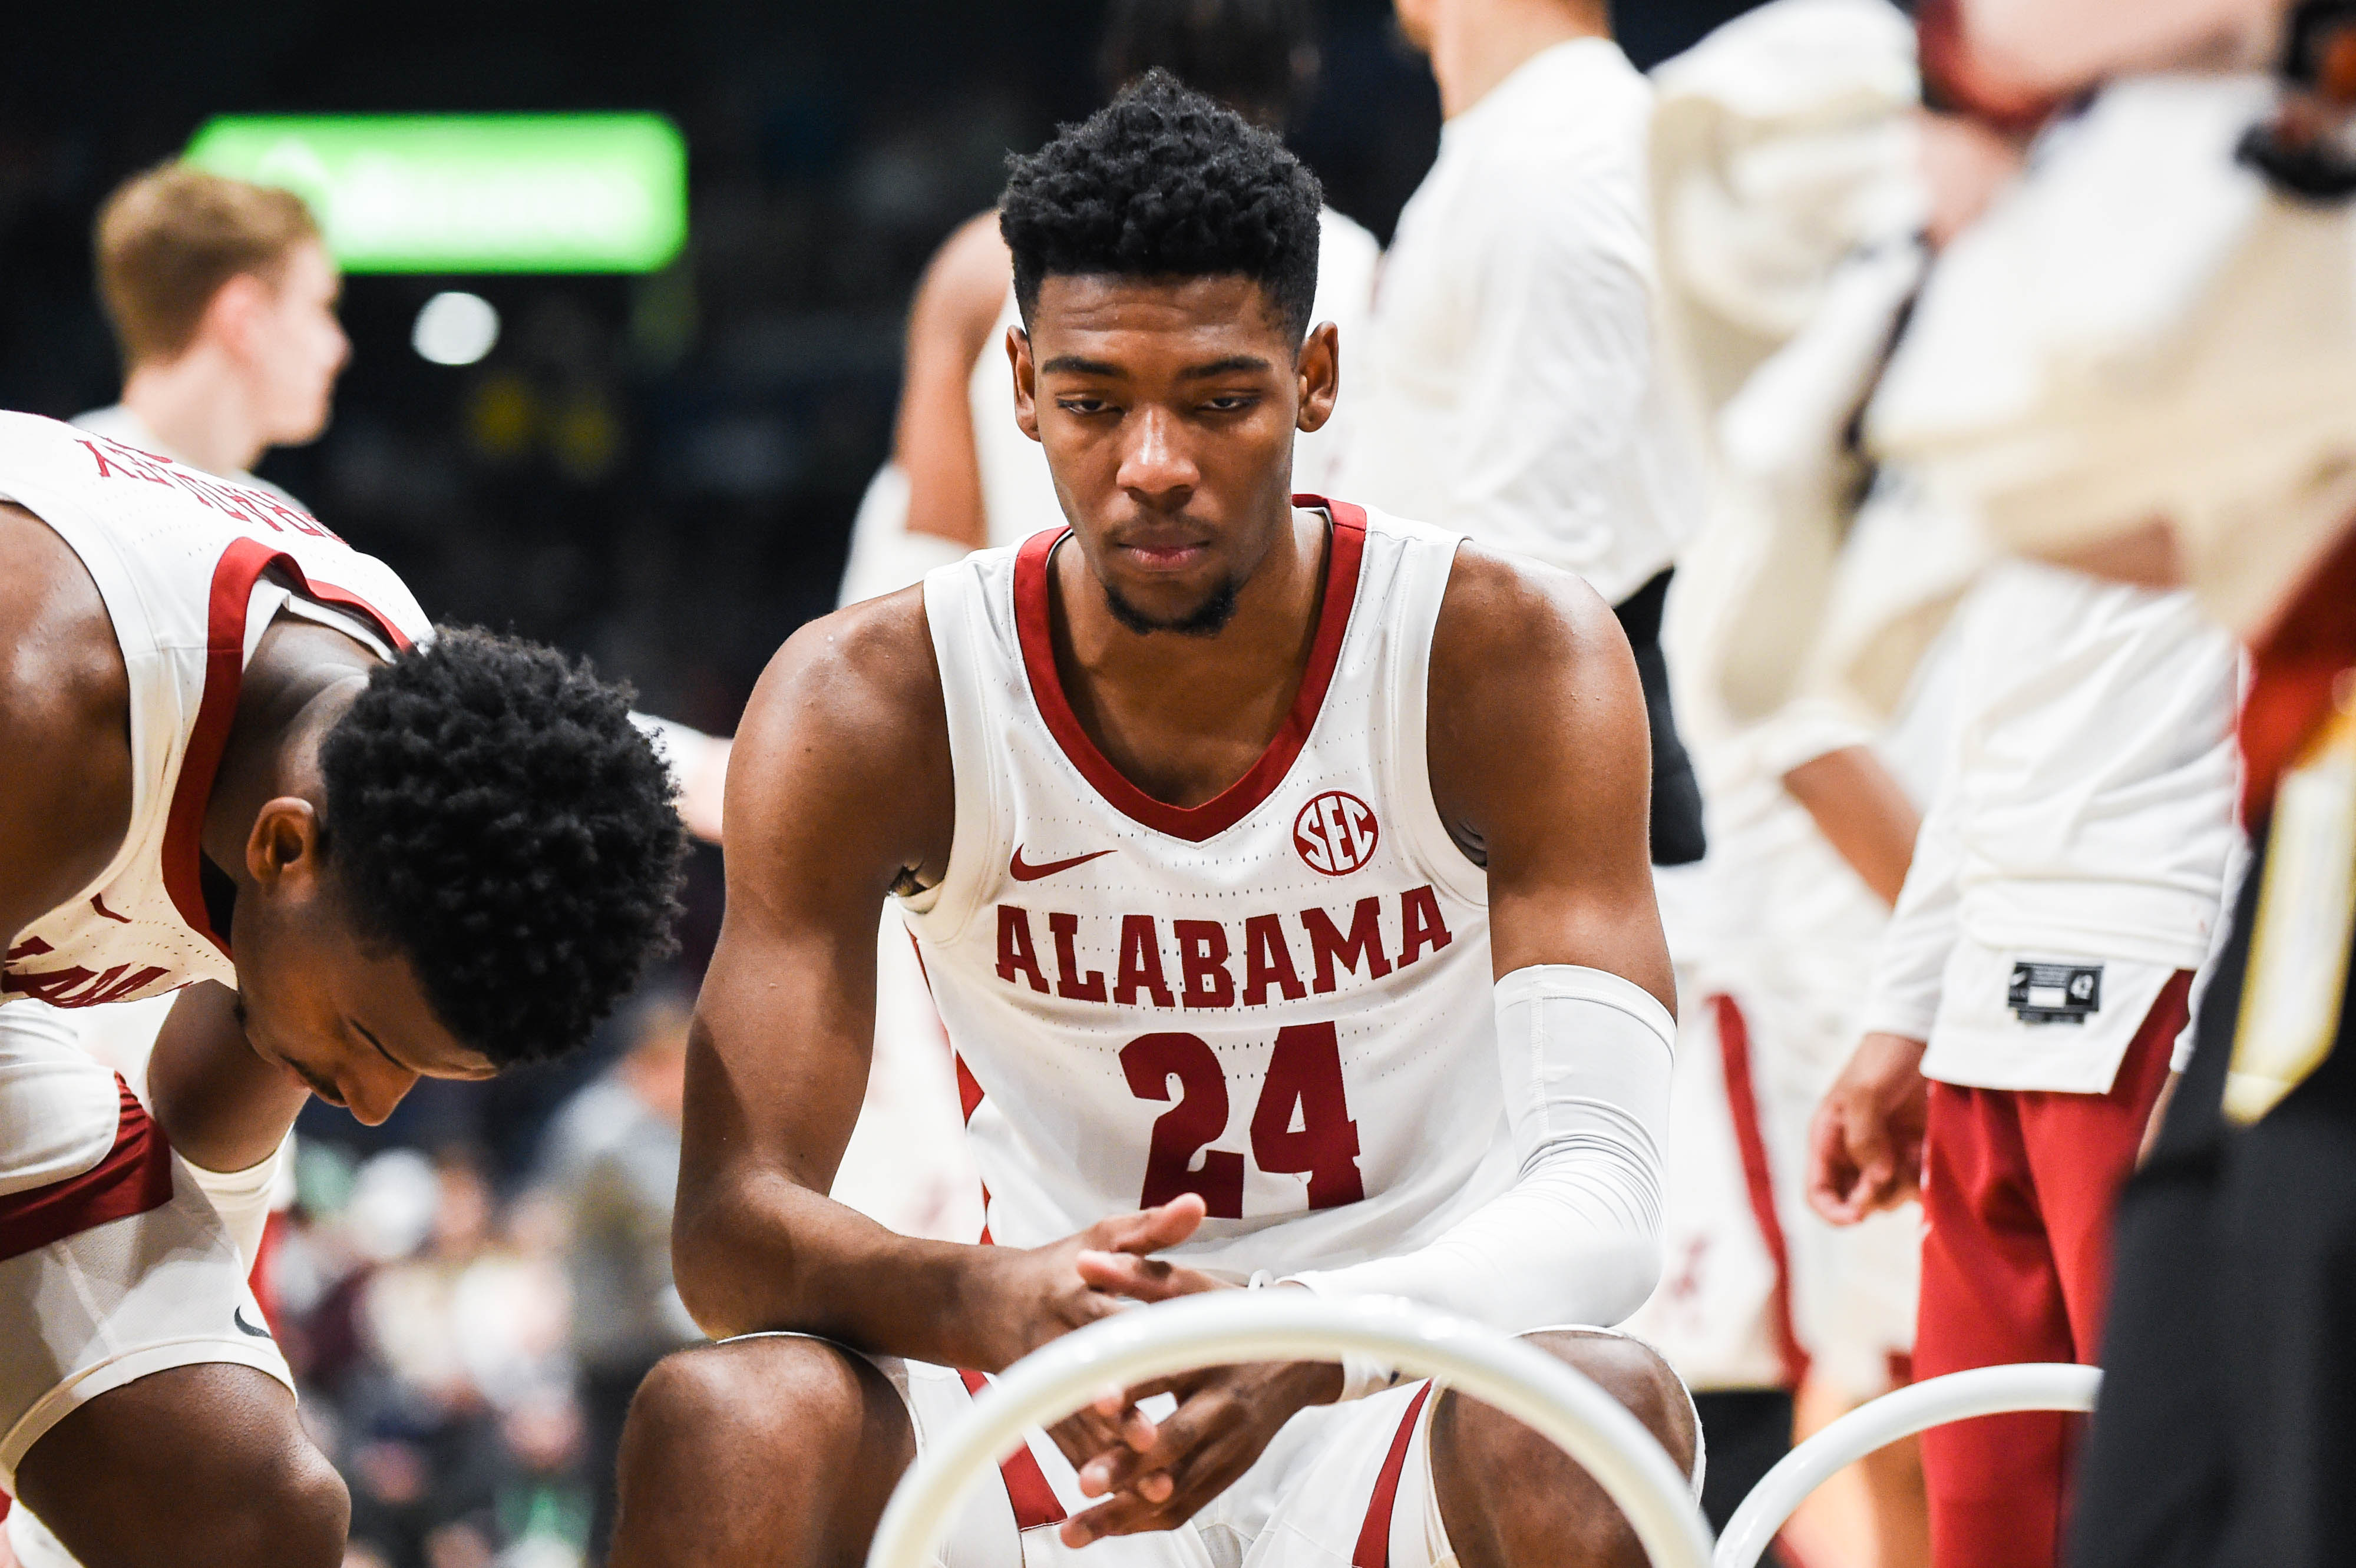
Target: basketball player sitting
[
  {"x": 237, "y": 763},
  {"x": 1280, "y": 872}
]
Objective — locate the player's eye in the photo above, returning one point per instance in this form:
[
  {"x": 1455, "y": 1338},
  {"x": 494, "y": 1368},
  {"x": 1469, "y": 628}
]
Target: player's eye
[
  {"x": 1231, "y": 402},
  {"x": 1082, "y": 405}
]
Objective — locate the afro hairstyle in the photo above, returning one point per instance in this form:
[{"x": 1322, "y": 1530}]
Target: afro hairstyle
[
  {"x": 493, "y": 815},
  {"x": 1164, "y": 183}
]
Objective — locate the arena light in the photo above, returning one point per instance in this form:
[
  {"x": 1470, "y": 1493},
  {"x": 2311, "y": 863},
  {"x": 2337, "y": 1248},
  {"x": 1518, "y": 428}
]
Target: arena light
[
  {"x": 455, "y": 328},
  {"x": 471, "y": 193}
]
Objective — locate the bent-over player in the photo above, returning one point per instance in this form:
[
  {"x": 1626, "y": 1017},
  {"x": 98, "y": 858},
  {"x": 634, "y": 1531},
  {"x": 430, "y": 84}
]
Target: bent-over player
[
  {"x": 238, "y": 761},
  {"x": 1280, "y": 872}
]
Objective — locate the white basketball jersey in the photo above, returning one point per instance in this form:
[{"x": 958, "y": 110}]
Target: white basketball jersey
[
  {"x": 191, "y": 569},
  {"x": 1280, "y": 998},
  {"x": 1018, "y": 497}
]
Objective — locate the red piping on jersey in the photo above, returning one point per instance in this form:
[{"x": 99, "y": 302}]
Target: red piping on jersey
[
  {"x": 1232, "y": 804},
  {"x": 1026, "y": 1484},
  {"x": 234, "y": 575},
  {"x": 1375, "y": 1536},
  {"x": 1742, "y": 1106},
  {"x": 135, "y": 1177}
]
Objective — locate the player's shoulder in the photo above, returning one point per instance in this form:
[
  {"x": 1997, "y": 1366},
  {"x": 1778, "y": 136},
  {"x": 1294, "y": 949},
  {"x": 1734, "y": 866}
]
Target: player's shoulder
[
  {"x": 1503, "y": 616},
  {"x": 865, "y": 675}
]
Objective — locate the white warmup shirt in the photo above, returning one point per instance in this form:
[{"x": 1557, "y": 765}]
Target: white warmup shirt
[
  {"x": 1511, "y": 389},
  {"x": 2076, "y": 853}
]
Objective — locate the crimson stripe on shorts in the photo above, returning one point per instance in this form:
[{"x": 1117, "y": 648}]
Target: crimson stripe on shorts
[
  {"x": 1231, "y": 805},
  {"x": 1375, "y": 1537},
  {"x": 1026, "y": 1484},
  {"x": 135, "y": 1177},
  {"x": 1742, "y": 1103}
]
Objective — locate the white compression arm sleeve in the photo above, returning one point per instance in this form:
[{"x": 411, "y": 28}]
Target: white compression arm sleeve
[
  {"x": 1576, "y": 1238},
  {"x": 243, "y": 1198}
]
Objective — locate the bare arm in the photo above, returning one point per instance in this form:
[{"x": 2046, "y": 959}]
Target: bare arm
[
  {"x": 65, "y": 711},
  {"x": 839, "y": 788},
  {"x": 956, "y": 303},
  {"x": 1863, "y": 812},
  {"x": 1541, "y": 765}
]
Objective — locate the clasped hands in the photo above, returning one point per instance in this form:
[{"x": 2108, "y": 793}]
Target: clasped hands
[{"x": 1153, "y": 1475}]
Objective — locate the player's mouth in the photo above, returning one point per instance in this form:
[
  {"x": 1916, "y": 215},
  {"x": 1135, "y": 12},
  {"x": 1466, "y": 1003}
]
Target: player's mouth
[{"x": 1166, "y": 555}]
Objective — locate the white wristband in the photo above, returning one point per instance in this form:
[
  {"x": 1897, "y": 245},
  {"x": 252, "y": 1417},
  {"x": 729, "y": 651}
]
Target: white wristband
[{"x": 1362, "y": 1375}]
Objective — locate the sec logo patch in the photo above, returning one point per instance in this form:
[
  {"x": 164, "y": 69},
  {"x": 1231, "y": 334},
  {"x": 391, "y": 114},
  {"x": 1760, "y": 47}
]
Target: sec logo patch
[{"x": 1335, "y": 833}]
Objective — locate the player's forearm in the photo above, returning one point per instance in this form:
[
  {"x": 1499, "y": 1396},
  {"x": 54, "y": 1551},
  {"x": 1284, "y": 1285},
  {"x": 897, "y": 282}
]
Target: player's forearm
[
  {"x": 772, "y": 1256},
  {"x": 223, "y": 1108},
  {"x": 1863, "y": 812},
  {"x": 1585, "y": 1056}
]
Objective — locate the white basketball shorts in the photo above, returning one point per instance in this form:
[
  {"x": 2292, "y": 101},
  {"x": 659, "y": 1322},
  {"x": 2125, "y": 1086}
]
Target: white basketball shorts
[{"x": 112, "y": 1263}]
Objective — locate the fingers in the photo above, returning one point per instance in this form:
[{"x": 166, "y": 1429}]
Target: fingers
[
  {"x": 1832, "y": 1175},
  {"x": 1164, "y": 1497},
  {"x": 1149, "y": 1230},
  {"x": 1142, "y": 1278},
  {"x": 1093, "y": 1428}
]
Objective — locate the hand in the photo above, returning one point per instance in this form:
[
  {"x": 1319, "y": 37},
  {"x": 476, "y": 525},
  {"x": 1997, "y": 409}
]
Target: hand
[
  {"x": 1027, "y": 1297},
  {"x": 1159, "y": 1477},
  {"x": 1111, "y": 1423},
  {"x": 1865, "y": 1146}
]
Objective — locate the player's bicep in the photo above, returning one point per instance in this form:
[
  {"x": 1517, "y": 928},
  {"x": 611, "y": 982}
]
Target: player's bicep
[
  {"x": 834, "y": 792},
  {"x": 1541, "y": 751}
]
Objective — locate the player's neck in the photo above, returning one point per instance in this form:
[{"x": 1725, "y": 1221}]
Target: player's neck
[
  {"x": 1184, "y": 716},
  {"x": 199, "y": 407},
  {"x": 1476, "y": 43},
  {"x": 302, "y": 678}
]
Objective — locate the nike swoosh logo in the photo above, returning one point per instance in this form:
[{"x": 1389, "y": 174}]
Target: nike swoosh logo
[
  {"x": 1022, "y": 870},
  {"x": 237, "y": 1316}
]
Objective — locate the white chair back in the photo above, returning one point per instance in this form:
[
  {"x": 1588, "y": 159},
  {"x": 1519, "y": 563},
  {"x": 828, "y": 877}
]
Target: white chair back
[{"x": 1226, "y": 1327}]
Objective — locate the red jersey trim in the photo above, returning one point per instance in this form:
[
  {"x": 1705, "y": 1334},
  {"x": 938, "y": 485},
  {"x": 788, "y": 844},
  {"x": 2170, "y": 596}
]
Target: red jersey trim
[
  {"x": 135, "y": 1177},
  {"x": 1375, "y": 1536},
  {"x": 1232, "y": 804},
  {"x": 234, "y": 575},
  {"x": 1026, "y": 1484}
]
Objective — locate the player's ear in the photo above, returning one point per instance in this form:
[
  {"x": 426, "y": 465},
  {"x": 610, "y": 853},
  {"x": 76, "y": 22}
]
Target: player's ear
[
  {"x": 283, "y": 850},
  {"x": 233, "y": 315},
  {"x": 1026, "y": 381},
  {"x": 1319, "y": 369}
]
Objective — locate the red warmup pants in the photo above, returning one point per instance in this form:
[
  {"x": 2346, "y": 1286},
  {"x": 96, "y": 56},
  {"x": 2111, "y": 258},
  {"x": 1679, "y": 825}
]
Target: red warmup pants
[{"x": 2018, "y": 1188}]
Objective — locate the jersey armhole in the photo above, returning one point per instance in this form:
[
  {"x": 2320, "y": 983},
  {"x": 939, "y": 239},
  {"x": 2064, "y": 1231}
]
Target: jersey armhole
[
  {"x": 1426, "y": 839},
  {"x": 957, "y": 619}
]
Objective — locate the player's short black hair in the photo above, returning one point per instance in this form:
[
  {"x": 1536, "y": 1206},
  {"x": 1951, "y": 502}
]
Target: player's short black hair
[
  {"x": 1163, "y": 183},
  {"x": 1257, "y": 56},
  {"x": 494, "y": 816}
]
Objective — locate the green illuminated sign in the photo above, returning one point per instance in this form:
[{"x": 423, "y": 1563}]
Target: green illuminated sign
[{"x": 471, "y": 193}]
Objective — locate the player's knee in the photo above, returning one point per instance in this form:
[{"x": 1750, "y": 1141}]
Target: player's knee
[
  {"x": 729, "y": 1396},
  {"x": 1637, "y": 1376},
  {"x": 771, "y": 1449},
  {"x": 299, "y": 1516},
  {"x": 1511, "y": 1499},
  {"x": 282, "y": 1505}
]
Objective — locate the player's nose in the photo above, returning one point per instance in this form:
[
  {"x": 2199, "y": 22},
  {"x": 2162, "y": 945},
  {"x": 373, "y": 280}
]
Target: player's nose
[
  {"x": 371, "y": 1092},
  {"x": 1155, "y": 464}
]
